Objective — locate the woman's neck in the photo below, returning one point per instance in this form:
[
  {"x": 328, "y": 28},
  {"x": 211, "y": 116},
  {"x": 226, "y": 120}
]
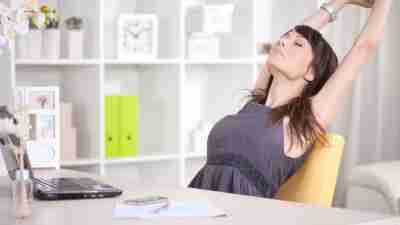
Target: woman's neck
[{"x": 282, "y": 90}]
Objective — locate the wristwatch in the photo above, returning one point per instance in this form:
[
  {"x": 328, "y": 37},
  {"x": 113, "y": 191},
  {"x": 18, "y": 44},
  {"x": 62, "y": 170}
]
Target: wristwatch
[{"x": 329, "y": 9}]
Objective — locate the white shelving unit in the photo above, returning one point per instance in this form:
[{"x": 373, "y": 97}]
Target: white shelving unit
[{"x": 175, "y": 93}]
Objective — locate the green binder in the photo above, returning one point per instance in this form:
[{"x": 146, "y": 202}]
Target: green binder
[
  {"x": 129, "y": 129},
  {"x": 121, "y": 126},
  {"x": 112, "y": 126}
]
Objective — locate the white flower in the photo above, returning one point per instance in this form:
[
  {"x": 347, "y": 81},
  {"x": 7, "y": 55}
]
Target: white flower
[
  {"x": 52, "y": 16},
  {"x": 15, "y": 21},
  {"x": 40, "y": 20},
  {"x": 21, "y": 23}
]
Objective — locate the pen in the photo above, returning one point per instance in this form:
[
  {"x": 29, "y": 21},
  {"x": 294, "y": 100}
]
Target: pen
[{"x": 157, "y": 210}]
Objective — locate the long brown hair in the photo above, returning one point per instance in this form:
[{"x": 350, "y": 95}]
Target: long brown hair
[{"x": 303, "y": 125}]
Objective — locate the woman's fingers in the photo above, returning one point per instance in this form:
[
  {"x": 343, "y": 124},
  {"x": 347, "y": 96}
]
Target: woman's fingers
[{"x": 263, "y": 48}]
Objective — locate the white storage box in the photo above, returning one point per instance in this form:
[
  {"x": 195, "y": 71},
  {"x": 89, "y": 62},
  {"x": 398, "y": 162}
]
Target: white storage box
[{"x": 218, "y": 18}]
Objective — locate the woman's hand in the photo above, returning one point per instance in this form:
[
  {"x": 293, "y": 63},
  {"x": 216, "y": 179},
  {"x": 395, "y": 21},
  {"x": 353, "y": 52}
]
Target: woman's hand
[
  {"x": 263, "y": 48},
  {"x": 362, "y": 3}
]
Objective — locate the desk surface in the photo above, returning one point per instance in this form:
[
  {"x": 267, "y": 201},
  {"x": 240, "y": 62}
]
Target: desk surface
[{"x": 241, "y": 209}]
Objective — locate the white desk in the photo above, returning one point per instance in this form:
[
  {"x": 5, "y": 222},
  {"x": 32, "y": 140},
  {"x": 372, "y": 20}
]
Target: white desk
[{"x": 242, "y": 210}]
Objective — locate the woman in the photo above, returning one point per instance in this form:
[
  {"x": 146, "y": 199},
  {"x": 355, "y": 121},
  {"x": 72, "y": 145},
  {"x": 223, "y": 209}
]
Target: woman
[{"x": 256, "y": 150}]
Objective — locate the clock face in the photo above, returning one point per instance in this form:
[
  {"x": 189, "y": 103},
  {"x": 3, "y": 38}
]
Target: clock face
[{"x": 137, "y": 36}]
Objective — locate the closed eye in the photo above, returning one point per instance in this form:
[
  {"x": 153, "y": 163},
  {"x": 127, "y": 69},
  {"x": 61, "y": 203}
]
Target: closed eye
[{"x": 298, "y": 44}]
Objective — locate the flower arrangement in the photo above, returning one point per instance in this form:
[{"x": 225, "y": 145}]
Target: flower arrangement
[
  {"x": 17, "y": 21},
  {"x": 52, "y": 21}
]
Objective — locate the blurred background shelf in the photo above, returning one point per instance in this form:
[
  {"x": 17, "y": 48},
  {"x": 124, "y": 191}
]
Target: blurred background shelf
[
  {"x": 58, "y": 62},
  {"x": 142, "y": 62},
  {"x": 143, "y": 159},
  {"x": 80, "y": 162},
  {"x": 196, "y": 155},
  {"x": 248, "y": 61}
]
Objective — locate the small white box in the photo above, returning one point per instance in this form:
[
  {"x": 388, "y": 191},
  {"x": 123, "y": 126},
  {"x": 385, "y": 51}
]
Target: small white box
[
  {"x": 203, "y": 46},
  {"x": 218, "y": 18}
]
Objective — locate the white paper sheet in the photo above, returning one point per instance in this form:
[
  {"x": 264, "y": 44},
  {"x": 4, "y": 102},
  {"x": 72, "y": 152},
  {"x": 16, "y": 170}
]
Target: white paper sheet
[{"x": 175, "y": 209}]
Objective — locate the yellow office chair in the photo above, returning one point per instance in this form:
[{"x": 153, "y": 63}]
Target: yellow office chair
[{"x": 315, "y": 181}]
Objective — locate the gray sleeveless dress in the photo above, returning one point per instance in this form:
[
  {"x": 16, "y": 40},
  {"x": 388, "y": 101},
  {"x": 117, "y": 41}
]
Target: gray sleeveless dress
[{"x": 246, "y": 156}]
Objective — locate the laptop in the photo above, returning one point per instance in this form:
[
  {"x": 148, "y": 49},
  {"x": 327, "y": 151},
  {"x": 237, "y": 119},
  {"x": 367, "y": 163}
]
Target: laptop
[{"x": 58, "y": 188}]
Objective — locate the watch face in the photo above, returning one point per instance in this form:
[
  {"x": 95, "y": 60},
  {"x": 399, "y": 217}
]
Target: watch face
[{"x": 330, "y": 10}]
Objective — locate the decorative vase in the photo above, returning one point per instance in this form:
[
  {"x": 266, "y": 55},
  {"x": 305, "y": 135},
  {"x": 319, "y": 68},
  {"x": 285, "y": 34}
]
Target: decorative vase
[
  {"x": 75, "y": 44},
  {"x": 34, "y": 39},
  {"x": 51, "y": 44}
]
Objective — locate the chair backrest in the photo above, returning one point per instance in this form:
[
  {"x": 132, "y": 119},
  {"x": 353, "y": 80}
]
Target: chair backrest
[{"x": 315, "y": 181}]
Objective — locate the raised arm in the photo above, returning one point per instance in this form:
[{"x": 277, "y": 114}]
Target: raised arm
[
  {"x": 338, "y": 86},
  {"x": 320, "y": 18}
]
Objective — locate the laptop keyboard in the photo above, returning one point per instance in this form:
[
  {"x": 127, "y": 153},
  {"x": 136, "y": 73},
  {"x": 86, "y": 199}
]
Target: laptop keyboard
[{"x": 65, "y": 184}]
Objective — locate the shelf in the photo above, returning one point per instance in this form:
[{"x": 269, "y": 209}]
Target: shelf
[
  {"x": 157, "y": 158},
  {"x": 57, "y": 62},
  {"x": 80, "y": 162},
  {"x": 202, "y": 155},
  {"x": 220, "y": 61},
  {"x": 145, "y": 61},
  {"x": 42, "y": 111}
]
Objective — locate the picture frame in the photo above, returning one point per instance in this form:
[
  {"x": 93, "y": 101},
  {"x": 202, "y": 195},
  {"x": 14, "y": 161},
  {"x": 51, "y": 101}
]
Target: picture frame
[
  {"x": 137, "y": 36},
  {"x": 43, "y": 105}
]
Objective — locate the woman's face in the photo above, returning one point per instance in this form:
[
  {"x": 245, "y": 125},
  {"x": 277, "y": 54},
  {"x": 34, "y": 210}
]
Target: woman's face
[{"x": 292, "y": 56}]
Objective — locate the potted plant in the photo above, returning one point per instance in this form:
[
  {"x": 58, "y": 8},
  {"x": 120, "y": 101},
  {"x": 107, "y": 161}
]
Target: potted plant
[
  {"x": 51, "y": 34},
  {"x": 75, "y": 34},
  {"x": 34, "y": 37}
]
